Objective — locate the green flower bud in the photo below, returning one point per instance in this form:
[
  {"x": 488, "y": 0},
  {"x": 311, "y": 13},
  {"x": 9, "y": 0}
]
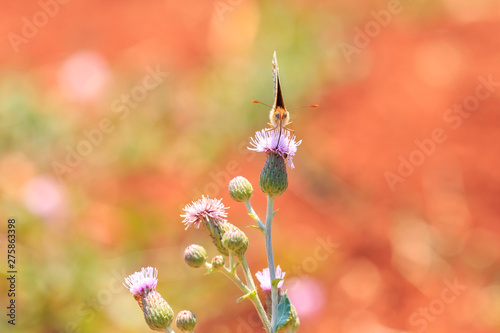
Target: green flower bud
[
  {"x": 235, "y": 241},
  {"x": 185, "y": 321},
  {"x": 273, "y": 177},
  {"x": 195, "y": 255},
  {"x": 240, "y": 189},
  {"x": 157, "y": 313},
  {"x": 218, "y": 261}
]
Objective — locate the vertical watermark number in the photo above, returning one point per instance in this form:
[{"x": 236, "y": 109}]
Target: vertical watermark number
[{"x": 11, "y": 270}]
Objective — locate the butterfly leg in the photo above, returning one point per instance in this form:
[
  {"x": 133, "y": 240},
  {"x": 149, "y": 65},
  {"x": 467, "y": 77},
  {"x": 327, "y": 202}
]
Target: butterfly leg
[
  {"x": 270, "y": 129},
  {"x": 289, "y": 129}
]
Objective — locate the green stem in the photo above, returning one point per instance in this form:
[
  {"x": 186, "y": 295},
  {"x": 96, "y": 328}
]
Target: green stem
[
  {"x": 231, "y": 275},
  {"x": 231, "y": 261},
  {"x": 260, "y": 310},
  {"x": 270, "y": 262},
  {"x": 168, "y": 329},
  {"x": 253, "y": 297},
  {"x": 251, "y": 284},
  {"x": 248, "y": 274},
  {"x": 250, "y": 210}
]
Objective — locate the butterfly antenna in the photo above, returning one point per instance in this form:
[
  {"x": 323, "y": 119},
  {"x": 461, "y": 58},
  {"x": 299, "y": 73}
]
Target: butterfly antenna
[
  {"x": 305, "y": 106},
  {"x": 254, "y": 101}
]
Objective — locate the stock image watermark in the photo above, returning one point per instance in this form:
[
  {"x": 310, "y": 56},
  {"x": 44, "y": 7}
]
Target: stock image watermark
[
  {"x": 87, "y": 311},
  {"x": 220, "y": 177},
  {"x": 11, "y": 271},
  {"x": 310, "y": 264},
  {"x": 453, "y": 117},
  {"x": 223, "y": 7},
  {"x": 31, "y": 25},
  {"x": 364, "y": 36},
  {"x": 95, "y": 136},
  {"x": 420, "y": 319}
]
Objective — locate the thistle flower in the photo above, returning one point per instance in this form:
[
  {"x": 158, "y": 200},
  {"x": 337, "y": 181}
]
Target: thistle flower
[
  {"x": 157, "y": 312},
  {"x": 141, "y": 283},
  {"x": 280, "y": 147},
  {"x": 265, "y": 278},
  {"x": 203, "y": 210},
  {"x": 212, "y": 214},
  {"x": 283, "y": 144}
]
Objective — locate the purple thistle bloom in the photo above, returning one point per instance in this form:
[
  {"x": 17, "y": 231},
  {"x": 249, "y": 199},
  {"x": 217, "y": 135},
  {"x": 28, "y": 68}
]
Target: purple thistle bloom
[
  {"x": 284, "y": 145},
  {"x": 141, "y": 283},
  {"x": 199, "y": 211},
  {"x": 265, "y": 279}
]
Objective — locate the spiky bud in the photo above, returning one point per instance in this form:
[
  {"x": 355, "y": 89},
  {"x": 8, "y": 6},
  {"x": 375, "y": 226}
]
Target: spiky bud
[
  {"x": 157, "y": 313},
  {"x": 240, "y": 189},
  {"x": 185, "y": 321},
  {"x": 218, "y": 261},
  {"x": 235, "y": 241},
  {"x": 195, "y": 255},
  {"x": 273, "y": 177}
]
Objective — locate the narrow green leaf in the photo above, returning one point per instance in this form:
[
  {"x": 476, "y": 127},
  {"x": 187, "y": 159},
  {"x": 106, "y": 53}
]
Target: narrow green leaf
[
  {"x": 275, "y": 211},
  {"x": 253, "y": 292},
  {"x": 284, "y": 311},
  {"x": 275, "y": 282},
  {"x": 253, "y": 217}
]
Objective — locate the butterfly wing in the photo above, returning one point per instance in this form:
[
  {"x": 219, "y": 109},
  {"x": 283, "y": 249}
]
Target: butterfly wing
[
  {"x": 279, "y": 102},
  {"x": 278, "y": 111}
]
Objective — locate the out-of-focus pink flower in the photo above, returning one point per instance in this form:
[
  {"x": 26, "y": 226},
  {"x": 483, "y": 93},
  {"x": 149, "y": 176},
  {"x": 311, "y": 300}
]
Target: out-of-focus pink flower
[
  {"x": 84, "y": 76},
  {"x": 265, "y": 279},
  {"x": 44, "y": 197},
  {"x": 307, "y": 295}
]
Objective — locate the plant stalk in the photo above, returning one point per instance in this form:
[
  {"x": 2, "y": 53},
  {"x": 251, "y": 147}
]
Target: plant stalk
[{"x": 270, "y": 262}]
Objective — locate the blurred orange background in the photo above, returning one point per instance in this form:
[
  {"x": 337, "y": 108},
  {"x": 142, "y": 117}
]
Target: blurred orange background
[{"x": 116, "y": 114}]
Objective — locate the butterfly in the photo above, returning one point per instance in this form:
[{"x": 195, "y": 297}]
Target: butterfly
[{"x": 279, "y": 116}]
